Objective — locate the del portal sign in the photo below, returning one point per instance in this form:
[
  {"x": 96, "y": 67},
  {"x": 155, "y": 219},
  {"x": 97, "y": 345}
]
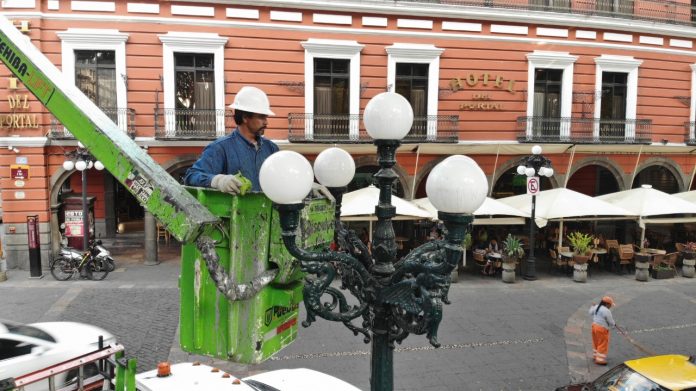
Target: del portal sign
[{"x": 482, "y": 101}]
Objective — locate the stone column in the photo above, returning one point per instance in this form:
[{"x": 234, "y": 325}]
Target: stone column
[{"x": 150, "y": 240}]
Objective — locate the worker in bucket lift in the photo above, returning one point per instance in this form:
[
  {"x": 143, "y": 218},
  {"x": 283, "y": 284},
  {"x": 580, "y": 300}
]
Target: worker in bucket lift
[
  {"x": 243, "y": 151},
  {"x": 227, "y": 161},
  {"x": 602, "y": 321}
]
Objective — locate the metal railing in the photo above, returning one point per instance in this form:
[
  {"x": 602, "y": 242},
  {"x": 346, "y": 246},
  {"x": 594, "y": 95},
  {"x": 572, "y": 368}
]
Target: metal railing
[
  {"x": 349, "y": 128},
  {"x": 584, "y": 130},
  {"x": 650, "y": 10},
  {"x": 124, "y": 118},
  {"x": 192, "y": 124},
  {"x": 690, "y": 133}
]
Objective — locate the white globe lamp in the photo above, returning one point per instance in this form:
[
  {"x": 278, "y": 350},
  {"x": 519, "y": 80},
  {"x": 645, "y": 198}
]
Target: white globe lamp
[
  {"x": 457, "y": 185},
  {"x": 98, "y": 165},
  {"x": 80, "y": 165},
  {"x": 334, "y": 167},
  {"x": 529, "y": 171},
  {"x": 536, "y": 150},
  {"x": 68, "y": 165},
  {"x": 521, "y": 170},
  {"x": 388, "y": 116},
  {"x": 286, "y": 177}
]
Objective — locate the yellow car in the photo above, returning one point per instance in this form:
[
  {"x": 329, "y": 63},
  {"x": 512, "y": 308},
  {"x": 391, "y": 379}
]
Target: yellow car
[{"x": 671, "y": 372}]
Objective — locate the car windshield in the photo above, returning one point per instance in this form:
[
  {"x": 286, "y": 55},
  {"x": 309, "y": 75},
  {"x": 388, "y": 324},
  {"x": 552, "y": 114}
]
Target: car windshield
[
  {"x": 27, "y": 331},
  {"x": 623, "y": 378}
]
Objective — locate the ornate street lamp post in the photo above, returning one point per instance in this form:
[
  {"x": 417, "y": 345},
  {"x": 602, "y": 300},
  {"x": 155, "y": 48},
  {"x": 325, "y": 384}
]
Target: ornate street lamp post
[
  {"x": 536, "y": 164},
  {"x": 82, "y": 160},
  {"x": 395, "y": 297}
]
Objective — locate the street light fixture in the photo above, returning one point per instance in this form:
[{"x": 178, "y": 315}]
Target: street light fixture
[
  {"x": 395, "y": 297},
  {"x": 81, "y": 160},
  {"x": 536, "y": 164}
]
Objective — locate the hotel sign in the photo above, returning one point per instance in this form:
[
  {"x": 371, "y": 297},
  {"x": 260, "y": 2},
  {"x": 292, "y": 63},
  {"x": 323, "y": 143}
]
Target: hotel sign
[{"x": 482, "y": 101}]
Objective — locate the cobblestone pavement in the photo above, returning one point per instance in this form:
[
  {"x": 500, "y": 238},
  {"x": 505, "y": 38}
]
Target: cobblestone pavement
[{"x": 495, "y": 336}]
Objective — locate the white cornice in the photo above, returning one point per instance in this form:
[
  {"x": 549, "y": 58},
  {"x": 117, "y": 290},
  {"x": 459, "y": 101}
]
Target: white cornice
[
  {"x": 91, "y": 35},
  {"x": 193, "y": 39},
  {"x": 423, "y": 51}
]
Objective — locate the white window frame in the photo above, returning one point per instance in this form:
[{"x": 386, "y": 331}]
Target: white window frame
[
  {"x": 333, "y": 49},
  {"x": 692, "y": 110},
  {"x": 98, "y": 39},
  {"x": 418, "y": 54},
  {"x": 187, "y": 42},
  {"x": 624, "y": 64},
  {"x": 551, "y": 60}
]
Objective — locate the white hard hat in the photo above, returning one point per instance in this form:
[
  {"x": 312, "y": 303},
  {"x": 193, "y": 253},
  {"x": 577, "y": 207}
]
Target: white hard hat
[{"x": 252, "y": 100}]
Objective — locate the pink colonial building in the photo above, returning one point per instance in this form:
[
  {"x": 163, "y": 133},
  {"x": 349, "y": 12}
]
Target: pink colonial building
[{"x": 606, "y": 87}]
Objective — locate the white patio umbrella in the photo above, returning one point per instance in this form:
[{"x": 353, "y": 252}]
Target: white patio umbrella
[
  {"x": 490, "y": 207},
  {"x": 563, "y": 203},
  {"x": 359, "y": 205},
  {"x": 645, "y": 201}
]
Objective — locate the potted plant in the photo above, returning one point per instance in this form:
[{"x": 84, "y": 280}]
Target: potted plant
[
  {"x": 661, "y": 271},
  {"x": 581, "y": 244},
  {"x": 689, "y": 251},
  {"x": 512, "y": 252}
]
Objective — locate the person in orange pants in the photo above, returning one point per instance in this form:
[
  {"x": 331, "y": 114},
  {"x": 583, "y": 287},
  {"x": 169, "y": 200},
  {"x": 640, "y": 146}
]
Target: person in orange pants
[{"x": 602, "y": 321}]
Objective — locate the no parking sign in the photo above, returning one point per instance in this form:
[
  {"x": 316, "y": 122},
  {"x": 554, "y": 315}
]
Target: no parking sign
[{"x": 533, "y": 185}]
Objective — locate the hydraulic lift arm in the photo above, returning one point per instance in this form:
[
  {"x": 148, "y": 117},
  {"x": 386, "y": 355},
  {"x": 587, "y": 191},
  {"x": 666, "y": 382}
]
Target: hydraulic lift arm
[{"x": 154, "y": 188}]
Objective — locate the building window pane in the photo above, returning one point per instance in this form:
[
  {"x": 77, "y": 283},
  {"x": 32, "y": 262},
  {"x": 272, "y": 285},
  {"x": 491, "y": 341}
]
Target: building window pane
[
  {"x": 331, "y": 97},
  {"x": 95, "y": 76},
  {"x": 613, "y": 110},
  {"x": 547, "y": 102},
  {"x": 194, "y": 91},
  {"x": 412, "y": 82}
]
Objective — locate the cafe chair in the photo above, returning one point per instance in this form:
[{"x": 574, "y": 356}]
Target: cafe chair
[
  {"x": 626, "y": 254},
  {"x": 162, "y": 233},
  {"x": 670, "y": 261},
  {"x": 557, "y": 261},
  {"x": 480, "y": 259}
]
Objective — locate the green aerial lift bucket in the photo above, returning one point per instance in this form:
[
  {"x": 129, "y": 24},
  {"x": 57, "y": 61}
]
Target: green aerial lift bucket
[{"x": 246, "y": 331}]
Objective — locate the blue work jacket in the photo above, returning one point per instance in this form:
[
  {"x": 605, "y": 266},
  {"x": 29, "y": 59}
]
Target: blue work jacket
[{"x": 230, "y": 155}]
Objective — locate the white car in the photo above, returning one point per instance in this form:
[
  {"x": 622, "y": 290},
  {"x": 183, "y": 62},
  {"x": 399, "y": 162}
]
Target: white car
[
  {"x": 25, "y": 348},
  {"x": 199, "y": 377}
]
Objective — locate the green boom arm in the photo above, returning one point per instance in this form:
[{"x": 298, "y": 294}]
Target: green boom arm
[{"x": 156, "y": 190}]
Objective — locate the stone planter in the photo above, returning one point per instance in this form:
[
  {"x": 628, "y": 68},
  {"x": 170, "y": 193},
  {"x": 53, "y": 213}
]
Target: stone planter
[
  {"x": 581, "y": 259},
  {"x": 688, "y": 254},
  {"x": 509, "y": 272},
  {"x": 580, "y": 272},
  {"x": 641, "y": 257},
  {"x": 688, "y": 268},
  {"x": 642, "y": 269},
  {"x": 660, "y": 274}
]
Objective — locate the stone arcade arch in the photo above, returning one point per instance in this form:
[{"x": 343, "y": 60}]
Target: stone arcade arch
[
  {"x": 595, "y": 176},
  {"x": 662, "y": 173},
  {"x": 366, "y": 166}
]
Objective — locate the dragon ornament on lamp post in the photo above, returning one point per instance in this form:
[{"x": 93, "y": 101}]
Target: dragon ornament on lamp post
[{"x": 395, "y": 297}]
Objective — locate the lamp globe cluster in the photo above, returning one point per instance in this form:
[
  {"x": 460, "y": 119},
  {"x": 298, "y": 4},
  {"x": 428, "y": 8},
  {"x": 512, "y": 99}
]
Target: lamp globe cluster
[{"x": 529, "y": 171}]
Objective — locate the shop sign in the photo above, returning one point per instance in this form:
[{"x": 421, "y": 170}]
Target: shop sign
[
  {"x": 73, "y": 223},
  {"x": 19, "y": 171},
  {"x": 481, "y": 101},
  {"x": 20, "y": 120}
]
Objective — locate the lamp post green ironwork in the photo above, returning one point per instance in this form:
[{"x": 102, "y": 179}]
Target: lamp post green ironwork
[{"x": 396, "y": 297}]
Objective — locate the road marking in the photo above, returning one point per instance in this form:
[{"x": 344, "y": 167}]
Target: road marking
[
  {"x": 471, "y": 345},
  {"x": 681, "y": 326},
  {"x": 53, "y": 314}
]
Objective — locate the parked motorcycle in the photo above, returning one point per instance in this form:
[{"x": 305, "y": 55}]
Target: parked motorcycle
[{"x": 94, "y": 263}]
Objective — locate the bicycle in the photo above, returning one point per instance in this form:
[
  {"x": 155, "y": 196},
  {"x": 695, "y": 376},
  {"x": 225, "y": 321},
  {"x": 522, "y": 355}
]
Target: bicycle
[{"x": 96, "y": 261}]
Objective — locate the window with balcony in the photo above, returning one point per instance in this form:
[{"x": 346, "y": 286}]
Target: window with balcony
[
  {"x": 614, "y": 6},
  {"x": 194, "y": 99},
  {"x": 549, "y": 97},
  {"x": 194, "y": 91},
  {"x": 547, "y": 103},
  {"x": 616, "y": 86},
  {"x": 95, "y": 76},
  {"x": 332, "y": 92},
  {"x": 94, "y": 60},
  {"x": 331, "y": 98}
]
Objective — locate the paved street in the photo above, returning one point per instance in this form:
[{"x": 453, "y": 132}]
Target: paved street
[{"x": 495, "y": 336}]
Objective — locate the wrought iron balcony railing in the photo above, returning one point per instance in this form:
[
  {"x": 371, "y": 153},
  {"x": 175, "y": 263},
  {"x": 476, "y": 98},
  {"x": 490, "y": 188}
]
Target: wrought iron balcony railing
[
  {"x": 348, "y": 128},
  {"x": 584, "y": 130},
  {"x": 650, "y": 10},
  {"x": 192, "y": 124},
  {"x": 124, "y": 118},
  {"x": 690, "y": 133}
]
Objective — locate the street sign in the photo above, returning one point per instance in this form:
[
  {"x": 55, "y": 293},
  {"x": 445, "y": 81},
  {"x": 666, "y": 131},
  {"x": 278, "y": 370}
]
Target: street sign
[
  {"x": 19, "y": 171},
  {"x": 533, "y": 186}
]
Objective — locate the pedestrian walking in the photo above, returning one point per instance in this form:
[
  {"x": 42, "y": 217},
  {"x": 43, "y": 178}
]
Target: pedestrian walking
[{"x": 602, "y": 321}]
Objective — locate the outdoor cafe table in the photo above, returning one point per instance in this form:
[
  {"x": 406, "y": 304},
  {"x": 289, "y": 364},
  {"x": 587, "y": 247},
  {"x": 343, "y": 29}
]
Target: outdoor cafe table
[{"x": 596, "y": 252}]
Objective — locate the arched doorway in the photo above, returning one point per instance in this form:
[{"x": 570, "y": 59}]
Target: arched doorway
[
  {"x": 593, "y": 180},
  {"x": 510, "y": 183},
  {"x": 365, "y": 176},
  {"x": 660, "y": 177}
]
